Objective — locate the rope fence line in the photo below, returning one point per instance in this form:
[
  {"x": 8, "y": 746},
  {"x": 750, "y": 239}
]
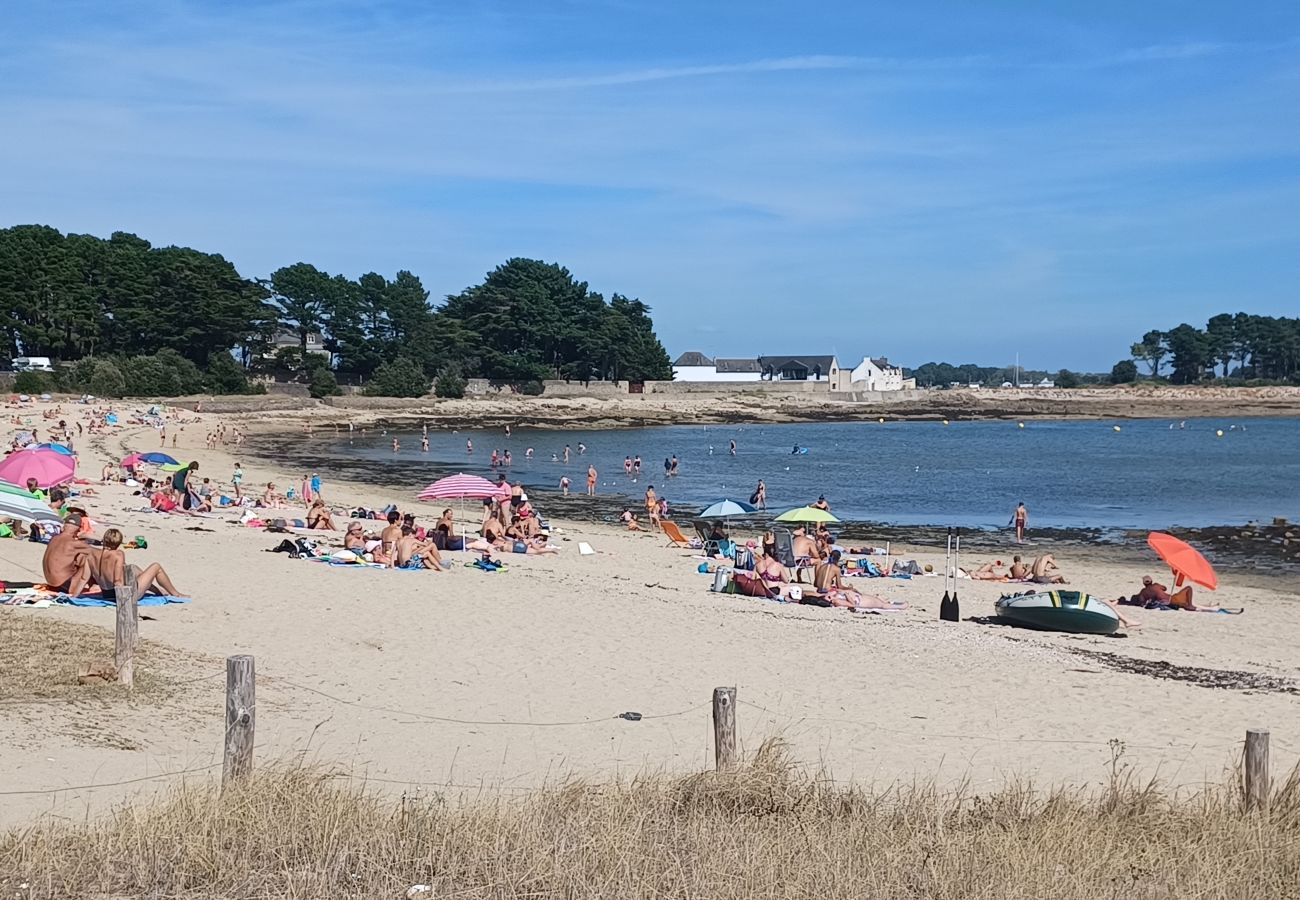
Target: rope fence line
[
  {"x": 241, "y": 708},
  {"x": 604, "y": 719},
  {"x": 975, "y": 737}
]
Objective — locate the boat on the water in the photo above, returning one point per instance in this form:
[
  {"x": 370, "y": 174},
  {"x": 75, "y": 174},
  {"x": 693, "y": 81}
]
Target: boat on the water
[{"x": 1071, "y": 611}]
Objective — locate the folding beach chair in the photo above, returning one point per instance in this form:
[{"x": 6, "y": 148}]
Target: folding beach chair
[
  {"x": 784, "y": 539},
  {"x": 674, "y": 534},
  {"x": 712, "y": 545}
]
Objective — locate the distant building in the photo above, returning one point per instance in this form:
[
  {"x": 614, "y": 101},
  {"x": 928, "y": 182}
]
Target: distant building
[
  {"x": 284, "y": 339},
  {"x": 799, "y": 368},
  {"x": 694, "y": 366},
  {"x": 876, "y": 374}
]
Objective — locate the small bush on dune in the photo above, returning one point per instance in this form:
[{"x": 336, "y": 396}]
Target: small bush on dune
[{"x": 450, "y": 383}]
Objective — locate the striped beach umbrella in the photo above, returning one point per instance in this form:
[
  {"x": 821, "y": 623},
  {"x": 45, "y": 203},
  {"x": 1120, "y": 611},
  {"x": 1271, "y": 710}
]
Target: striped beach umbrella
[
  {"x": 462, "y": 487},
  {"x": 26, "y": 507}
]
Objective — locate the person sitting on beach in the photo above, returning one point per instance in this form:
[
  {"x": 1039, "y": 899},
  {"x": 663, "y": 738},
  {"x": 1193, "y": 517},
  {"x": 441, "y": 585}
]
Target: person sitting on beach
[
  {"x": 769, "y": 544},
  {"x": 445, "y": 522},
  {"x": 162, "y": 502},
  {"x": 319, "y": 516},
  {"x": 1019, "y": 571},
  {"x": 415, "y": 554},
  {"x": 69, "y": 565},
  {"x": 768, "y": 569},
  {"x": 355, "y": 538},
  {"x": 494, "y": 532},
  {"x": 113, "y": 571},
  {"x": 803, "y": 546},
  {"x": 1044, "y": 571},
  {"x": 270, "y": 499},
  {"x": 629, "y": 519},
  {"x": 386, "y": 552}
]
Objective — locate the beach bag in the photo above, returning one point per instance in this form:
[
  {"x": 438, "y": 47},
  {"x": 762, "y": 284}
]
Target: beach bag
[
  {"x": 721, "y": 577},
  {"x": 744, "y": 558}
]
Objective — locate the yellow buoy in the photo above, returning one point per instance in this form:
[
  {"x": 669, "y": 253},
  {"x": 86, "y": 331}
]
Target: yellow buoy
[
  {"x": 1115, "y": 427},
  {"x": 1219, "y": 433}
]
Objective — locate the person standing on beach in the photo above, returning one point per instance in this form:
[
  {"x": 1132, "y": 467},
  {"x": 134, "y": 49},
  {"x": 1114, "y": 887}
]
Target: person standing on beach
[
  {"x": 307, "y": 492},
  {"x": 237, "y": 479},
  {"x": 1020, "y": 519},
  {"x": 315, "y": 484},
  {"x": 591, "y": 480},
  {"x": 651, "y": 505}
]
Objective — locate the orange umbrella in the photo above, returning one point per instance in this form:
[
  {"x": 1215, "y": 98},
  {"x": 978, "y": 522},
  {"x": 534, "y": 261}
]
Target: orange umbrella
[{"x": 1184, "y": 559}]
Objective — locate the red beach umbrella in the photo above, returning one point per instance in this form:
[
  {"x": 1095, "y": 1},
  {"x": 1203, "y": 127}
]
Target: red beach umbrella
[{"x": 1185, "y": 560}]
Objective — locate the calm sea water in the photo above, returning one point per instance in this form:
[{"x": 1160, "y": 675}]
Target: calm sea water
[{"x": 1069, "y": 474}]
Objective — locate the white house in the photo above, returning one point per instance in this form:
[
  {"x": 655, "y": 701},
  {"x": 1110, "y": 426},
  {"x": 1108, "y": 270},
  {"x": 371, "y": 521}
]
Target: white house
[{"x": 876, "y": 374}]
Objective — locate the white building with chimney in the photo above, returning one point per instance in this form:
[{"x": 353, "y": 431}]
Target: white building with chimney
[{"x": 876, "y": 374}]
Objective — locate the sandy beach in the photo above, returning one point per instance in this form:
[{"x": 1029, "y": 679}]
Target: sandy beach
[{"x": 469, "y": 681}]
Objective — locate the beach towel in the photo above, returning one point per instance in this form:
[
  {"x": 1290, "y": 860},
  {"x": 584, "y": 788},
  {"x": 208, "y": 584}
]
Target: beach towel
[{"x": 91, "y": 600}]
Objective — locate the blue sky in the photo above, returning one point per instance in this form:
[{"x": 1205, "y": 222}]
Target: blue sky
[{"x": 933, "y": 180}]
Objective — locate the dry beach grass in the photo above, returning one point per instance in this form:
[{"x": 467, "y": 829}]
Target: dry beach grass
[{"x": 770, "y": 829}]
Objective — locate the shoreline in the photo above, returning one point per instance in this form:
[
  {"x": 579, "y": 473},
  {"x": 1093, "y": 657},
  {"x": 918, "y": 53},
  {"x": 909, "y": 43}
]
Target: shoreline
[
  {"x": 767, "y": 407},
  {"x": 1258, "y": 551}
]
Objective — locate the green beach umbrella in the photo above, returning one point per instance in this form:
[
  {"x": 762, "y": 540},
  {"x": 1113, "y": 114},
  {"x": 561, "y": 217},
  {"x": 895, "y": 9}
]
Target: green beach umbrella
[{"x": 807, "y": 514}]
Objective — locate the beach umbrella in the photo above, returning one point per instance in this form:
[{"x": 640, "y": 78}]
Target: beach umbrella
[
  {"x": 807, "y": 514},
  {"x": 721, "y": 509},
  {"x": 172, "y": 466},
  {"x": 131, "y": 459},
  {"x": 157, "y": 459},
  {"x": 46, "y": 466},
  {"x": 57, "y": 448},
  {"x": 1186, "y": 561},
  {"x": 25, "y": 507},
  {"x": 462, "y": 487},
  {"x": 7, "y": 488}
]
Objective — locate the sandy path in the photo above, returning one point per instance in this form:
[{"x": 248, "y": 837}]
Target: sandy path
[{"x": 568, "y": 642}]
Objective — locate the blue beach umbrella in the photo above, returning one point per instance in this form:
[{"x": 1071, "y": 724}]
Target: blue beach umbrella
[
  {"x": 721, "y": 509},
  {"x": 157, "y": 459},
  {"x": 57, "y": 448}
]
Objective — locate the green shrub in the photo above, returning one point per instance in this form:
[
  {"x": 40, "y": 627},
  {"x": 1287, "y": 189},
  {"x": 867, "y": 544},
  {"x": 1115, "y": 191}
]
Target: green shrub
[
  {"x": 532, "y": 388},
  {"x": 32, "y": 382},
  {"x": 398, "y": 378},
  {"x": 189, "y": 380},
  {"x": 106, "y": 380},
  {"x": 322, "y": 383},
  {"x": 1067, "y": 379},
  {"x": 450, "y": 383},
  {"x": 1124, "y": 372},
  {"x": 224, "y": 375}
]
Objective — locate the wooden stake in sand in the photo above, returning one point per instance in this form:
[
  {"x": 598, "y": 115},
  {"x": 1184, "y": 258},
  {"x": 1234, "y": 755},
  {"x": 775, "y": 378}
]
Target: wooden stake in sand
[
  {"x": 1257, "y": 785},
  {"x": 241, "y": 709},
  {"x": 724, "y": 727},
  {"x": 128, "y": 634}
]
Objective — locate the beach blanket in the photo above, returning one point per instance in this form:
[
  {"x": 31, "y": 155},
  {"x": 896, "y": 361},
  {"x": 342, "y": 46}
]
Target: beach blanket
[{"x": 45, "y": 599}]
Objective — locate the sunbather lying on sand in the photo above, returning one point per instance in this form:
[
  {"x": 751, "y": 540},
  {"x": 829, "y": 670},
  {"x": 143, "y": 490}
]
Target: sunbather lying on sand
[
  {"x": 987, "y": 572},
  {"x": 1154, "y": 595},
  {"x": 827, "y": 580}
]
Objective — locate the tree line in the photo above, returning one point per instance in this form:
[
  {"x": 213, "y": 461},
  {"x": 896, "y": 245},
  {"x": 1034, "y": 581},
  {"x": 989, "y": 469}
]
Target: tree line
[
  {"x": 1241, "y": 346},
  {"x": 74, "y": 297}
]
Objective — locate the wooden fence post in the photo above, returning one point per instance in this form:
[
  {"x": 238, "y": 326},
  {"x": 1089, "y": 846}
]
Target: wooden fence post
[
  {"x": 724, "y": 727},
  {"x": 241, "y": 716},
  {"x": 127, "y": 635},
  {"x": 1257, "y": 783}
]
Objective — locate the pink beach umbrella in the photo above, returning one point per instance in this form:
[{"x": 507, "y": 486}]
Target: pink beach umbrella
[
  {"x": 46, "y": 466},
  {"x": 461, "y": 487}
]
